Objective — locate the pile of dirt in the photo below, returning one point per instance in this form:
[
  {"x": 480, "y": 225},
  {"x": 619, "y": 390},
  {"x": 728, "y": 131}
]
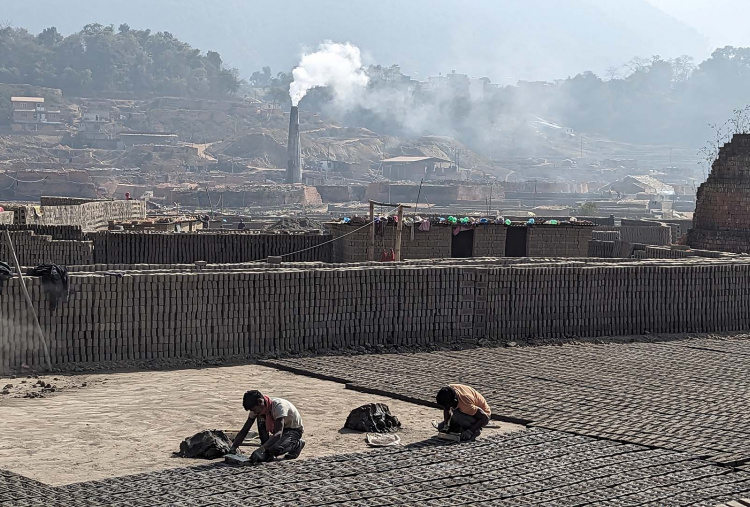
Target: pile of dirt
[
  {"x": 209, "y": 444},
  {"x": 295, "y": 224}
]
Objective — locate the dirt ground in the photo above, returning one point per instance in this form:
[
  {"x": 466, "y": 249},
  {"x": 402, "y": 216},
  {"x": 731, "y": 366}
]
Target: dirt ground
[{"x": 125, "y": 423}]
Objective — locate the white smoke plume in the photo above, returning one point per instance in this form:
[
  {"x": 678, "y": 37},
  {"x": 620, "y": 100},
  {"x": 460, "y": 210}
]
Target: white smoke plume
[{"x": 336, "y": 65}]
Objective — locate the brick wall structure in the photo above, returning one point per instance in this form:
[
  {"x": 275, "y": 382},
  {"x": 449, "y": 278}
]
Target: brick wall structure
[
  {"x": 253, "y": 312},
  {"x": 89, "y": 216},
  {"x": 142, "y": 247},
  {"x": 558, "y": 241},
  {"x": 489, "y": 241},
  {"x": 33, "y": 250},
  {"x": 722, "y": 212}
]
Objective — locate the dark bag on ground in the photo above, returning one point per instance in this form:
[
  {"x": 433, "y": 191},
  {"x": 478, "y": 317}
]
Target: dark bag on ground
[
  {"x": 209, "y": 444},
  {"x": 372, "y": 418}
]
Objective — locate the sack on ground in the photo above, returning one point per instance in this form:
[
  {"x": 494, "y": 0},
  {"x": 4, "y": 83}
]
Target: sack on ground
[{"x": 372, "y": 418}]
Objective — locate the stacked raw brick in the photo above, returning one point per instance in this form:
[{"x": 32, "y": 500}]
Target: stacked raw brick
[
  {"x": 647, "y": 235},
  {"x": 722, "y": 213},
  {"x": 605, "y": 235},
  {"x": 489, "y": 241},
  {"x": 558, "y": 241},
  {"x": 214, "y": 247},
  {"x": 33, "y": 250},
  {"x": 90, "y": 216},
  {"x": 254, "y": 312},
  {"x": 70, "y": 232},
  {"x": 355, "y": 241},
  {"x": 6, "y": 217}
]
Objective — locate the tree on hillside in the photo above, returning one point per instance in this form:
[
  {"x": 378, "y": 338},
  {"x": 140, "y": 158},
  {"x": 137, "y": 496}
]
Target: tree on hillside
[{"x": 99, "y": 59}]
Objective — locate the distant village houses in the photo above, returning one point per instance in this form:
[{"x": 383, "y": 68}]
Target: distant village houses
[{"x": 31, "y": 115}]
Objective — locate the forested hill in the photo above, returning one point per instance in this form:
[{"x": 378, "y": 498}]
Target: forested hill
[
  {"x": 104, "y": 59},
  {"x": 505, "y": 40}
]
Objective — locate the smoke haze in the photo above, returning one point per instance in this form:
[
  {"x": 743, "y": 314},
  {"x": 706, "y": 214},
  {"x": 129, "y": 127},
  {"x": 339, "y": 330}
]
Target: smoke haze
[{"x": 336, "y": 65}]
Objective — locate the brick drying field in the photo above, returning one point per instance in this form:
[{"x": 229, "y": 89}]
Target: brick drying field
[
  {"x": 684, "y": 395},
  {"x": 536, "y": 467}
]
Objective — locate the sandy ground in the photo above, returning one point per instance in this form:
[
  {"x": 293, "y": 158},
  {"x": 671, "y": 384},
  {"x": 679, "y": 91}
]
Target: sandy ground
[{"x": 126, "y": 423}]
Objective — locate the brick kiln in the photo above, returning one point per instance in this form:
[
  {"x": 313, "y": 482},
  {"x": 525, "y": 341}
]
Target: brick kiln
[{"x": 722, "y": 213}]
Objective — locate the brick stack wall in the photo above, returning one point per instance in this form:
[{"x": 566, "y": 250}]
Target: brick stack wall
[
  {"x": 68, "y": 232},
  {"x": 656, "y": 252},
  {"x": 90, "y": 216},
  {"x": 647, "y": 235},
  {"x": 353, "y": 244},
  {"x": 722, "y": 211},
  {"x": 255, "y": 312},
  {"x": 605, "y": 235},
  {"x": 214, "y": 247},
  {"x": 558, "y": 241},
  {"x": 66, "y": 201},
  {"x": 33, "y": 250},
  {"x": 489, "y": 241},
  {"x": 602, "y": 248}
]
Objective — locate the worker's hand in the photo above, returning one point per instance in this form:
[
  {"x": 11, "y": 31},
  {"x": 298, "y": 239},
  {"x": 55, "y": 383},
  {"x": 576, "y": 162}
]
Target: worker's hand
[
  {"x": 467, "y": 435},
  {"x": 442, "y": 426}
]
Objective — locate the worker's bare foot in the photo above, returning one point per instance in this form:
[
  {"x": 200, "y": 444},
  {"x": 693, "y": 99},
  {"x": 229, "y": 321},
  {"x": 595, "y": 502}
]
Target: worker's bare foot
[{"x": 295, "y": 455}]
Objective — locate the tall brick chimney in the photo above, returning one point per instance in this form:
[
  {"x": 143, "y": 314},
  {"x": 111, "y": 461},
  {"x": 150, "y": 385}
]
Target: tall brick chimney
[{"x": 294, "y": 151}]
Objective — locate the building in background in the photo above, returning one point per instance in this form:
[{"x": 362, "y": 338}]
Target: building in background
[{"x": 31, "y": 115}]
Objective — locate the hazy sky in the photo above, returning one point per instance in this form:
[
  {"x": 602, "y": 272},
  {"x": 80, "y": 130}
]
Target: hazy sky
[{"x": 724, "y": 22}]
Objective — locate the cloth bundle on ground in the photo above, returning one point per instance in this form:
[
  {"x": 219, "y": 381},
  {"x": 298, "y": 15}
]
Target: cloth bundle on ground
[
  {"x": 209, "y": 444},
  {"x": 374, "y": 418},
  {"x": 54, "y": 282}
]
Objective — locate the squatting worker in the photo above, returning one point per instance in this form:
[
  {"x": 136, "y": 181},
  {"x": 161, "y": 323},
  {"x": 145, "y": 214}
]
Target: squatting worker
[
  {"x": 279, "y": 427},
  {"x": 465, "y": 411}
]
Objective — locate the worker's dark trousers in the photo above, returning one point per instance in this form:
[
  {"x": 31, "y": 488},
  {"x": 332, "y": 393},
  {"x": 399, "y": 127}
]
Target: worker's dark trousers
[
  {"x": 462, "y": 422},
  {"x": 288, "y": 444}
]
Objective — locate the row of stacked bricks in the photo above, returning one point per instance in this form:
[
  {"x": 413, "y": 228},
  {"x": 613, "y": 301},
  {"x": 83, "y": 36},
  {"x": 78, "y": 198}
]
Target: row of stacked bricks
[
  {"x": 568, "y": 301},
  {"x": 33, "y": 250},
  {"x": 365, "y": 306},
  {"x": 177, "y": 248},
  {"x": 598, "y": 248},
  {"x": 558, "y": 241},
  {"x": 58, "y": 232},
  {"x": 648, "y": 235},
  {"x": 605, "y": 235},
  {"x": 654, "y": 252},
  {"x": 205, "y": 314},
  {"x": 354, "y": 242}
]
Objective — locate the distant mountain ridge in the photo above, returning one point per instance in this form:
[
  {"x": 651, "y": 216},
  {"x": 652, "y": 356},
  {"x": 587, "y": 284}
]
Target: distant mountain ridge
[{"x": 505, "y": 40}]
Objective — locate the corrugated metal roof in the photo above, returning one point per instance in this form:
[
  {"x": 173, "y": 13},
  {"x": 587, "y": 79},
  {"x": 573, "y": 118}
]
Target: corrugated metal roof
[
  {"x": 26, "y": 99},
  {"x": 408, "y": 160},
  {"x": 651, "y": 182}
]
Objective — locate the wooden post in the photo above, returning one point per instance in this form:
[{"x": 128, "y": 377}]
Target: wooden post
[
  {"x": 28, "y": 300},
  {"x": 399, "y": 230},
  {"x": 371, "y": 253}
]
